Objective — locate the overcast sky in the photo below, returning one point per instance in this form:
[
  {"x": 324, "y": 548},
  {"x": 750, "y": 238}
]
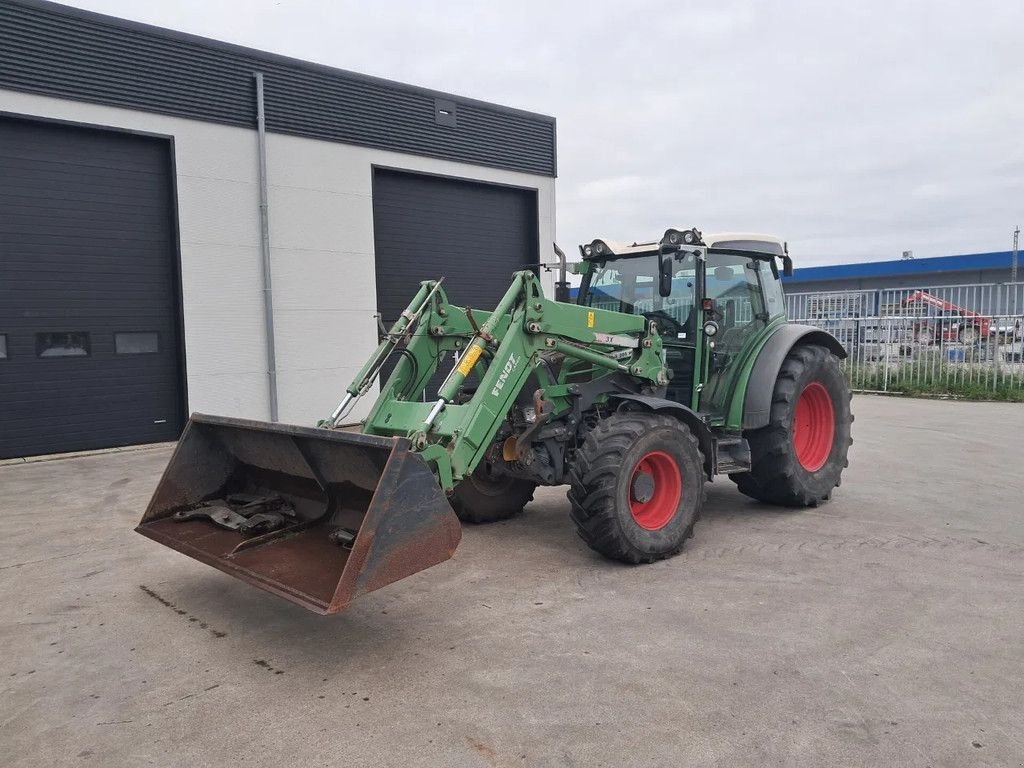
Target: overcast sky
[{"x": 854, "y": 130}]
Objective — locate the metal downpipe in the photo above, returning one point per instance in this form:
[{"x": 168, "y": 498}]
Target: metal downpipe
[{"x": 268, "y": 291}]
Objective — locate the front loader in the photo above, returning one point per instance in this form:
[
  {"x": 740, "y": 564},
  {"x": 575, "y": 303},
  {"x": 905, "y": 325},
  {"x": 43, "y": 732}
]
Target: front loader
[{"x": 674, "y": 364}]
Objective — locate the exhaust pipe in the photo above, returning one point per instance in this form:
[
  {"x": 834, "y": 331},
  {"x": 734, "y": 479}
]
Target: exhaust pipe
[{"x": 562, "y": 284}]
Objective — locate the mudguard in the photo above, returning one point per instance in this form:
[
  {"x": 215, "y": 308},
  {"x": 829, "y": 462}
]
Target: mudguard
[
  {"x": 685, "y": 415},
  {"x": 757, "y": 401}
]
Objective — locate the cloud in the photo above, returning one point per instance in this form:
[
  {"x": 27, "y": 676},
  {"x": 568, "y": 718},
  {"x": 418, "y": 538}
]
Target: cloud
[
  {"x": 615, "y": 188},
  {"x": 855, "y": 131}
]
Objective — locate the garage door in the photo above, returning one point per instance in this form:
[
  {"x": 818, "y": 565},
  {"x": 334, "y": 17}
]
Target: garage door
[
  {"x": 89, "y": 338},
  {"x": 474, "y": 235}
]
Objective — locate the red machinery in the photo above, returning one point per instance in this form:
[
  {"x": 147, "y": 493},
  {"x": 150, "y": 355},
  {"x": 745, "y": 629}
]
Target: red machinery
[{"x": 954, "y": 324}]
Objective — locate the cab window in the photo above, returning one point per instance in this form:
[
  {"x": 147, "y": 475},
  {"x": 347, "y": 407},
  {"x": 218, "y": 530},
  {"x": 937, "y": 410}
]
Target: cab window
[
  {"x": 630, "y": 285},
  {"x": 733, "y": 285},
  {"x": 775, "y": 300}
]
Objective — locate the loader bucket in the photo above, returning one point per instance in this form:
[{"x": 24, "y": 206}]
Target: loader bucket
[{"x": 350, "y": 513}]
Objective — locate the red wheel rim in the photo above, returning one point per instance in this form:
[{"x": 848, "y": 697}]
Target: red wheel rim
[
  {"x": 655, "y": 488},
  {"x": 814, "y": 427}
]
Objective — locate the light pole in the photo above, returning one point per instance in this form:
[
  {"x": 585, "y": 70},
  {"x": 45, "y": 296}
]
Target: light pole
[{"x": 1013, "y": 261}]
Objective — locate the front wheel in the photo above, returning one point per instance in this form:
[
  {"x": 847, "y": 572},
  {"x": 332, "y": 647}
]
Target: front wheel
[
  {"x": 487, "y": 497},
  {"x": 637, "y": 487},
  {"x": 799, "y": 458}
]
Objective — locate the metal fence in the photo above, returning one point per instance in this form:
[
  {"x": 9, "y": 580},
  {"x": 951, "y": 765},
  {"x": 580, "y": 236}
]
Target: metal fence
[{"x": 960, "y": 339}]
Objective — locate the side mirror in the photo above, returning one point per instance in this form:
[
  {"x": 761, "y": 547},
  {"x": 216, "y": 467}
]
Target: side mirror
[
  {"x": 665, "y": 276},
  {"x": 787, "y": 266}
]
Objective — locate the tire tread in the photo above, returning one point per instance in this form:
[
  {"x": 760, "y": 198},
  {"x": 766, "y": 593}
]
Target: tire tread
[
  {"x": 774, "y": 478},
  {"x": 593, "y": 477}
]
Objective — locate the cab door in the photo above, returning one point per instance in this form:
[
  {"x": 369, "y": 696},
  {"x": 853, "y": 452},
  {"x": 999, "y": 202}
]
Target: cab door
[{"x": 735, "y": 286}]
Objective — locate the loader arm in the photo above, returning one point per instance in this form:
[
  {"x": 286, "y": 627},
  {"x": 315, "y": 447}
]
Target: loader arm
[
  {"x": 323, "y": 516},
  {"x": 503, "y": 350}
]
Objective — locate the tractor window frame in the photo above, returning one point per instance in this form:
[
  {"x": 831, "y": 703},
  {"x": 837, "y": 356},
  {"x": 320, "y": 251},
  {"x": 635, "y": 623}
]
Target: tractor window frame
[
  {"x": 753, "y": 295},
  {"x": 769, "y": 279},
  {"x": 641, "y": 286},
  {"x": 630, "y": 268}
]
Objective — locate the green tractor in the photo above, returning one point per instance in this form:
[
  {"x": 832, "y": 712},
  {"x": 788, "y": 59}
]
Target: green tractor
[{"x": 674, "y": 363}]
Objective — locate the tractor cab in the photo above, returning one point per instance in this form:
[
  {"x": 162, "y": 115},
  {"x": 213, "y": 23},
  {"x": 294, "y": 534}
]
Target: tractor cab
[{"x": 711, "y": 297}]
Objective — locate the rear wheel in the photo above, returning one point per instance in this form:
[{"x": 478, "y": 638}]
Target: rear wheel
[
  {"x": 486, "y": 496},
  {"x": 798, "y": 459},
  {"x": 637, "y": 487}
]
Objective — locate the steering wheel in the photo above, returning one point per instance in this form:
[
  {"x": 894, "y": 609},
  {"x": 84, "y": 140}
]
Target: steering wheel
[{"x": 659, "y": 315}]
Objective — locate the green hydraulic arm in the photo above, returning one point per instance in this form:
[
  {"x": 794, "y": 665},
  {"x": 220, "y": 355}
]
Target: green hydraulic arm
[{"x": 526, "y": 335}]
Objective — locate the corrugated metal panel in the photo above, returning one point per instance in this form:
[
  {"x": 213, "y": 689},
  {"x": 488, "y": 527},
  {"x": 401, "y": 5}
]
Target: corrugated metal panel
[
  {"x": 86, "y": 256},
  {"x": 75, "y": 54},
  {"x": 473, "y": 235}
]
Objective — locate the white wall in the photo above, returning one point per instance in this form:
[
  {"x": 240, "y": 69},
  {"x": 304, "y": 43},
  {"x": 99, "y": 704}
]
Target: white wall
[{"x": 321, "y": 232}]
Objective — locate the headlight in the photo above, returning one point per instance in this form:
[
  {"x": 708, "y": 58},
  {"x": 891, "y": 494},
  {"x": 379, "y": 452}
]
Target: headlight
[
  {"x": 681, "y": 237},
  {"x": 596, "y": 249}
]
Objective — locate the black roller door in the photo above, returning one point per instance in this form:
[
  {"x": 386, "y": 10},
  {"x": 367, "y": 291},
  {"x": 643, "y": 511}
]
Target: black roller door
[
  {"x": 474, "y": 235},
  {"x": 89, "y": 334}
]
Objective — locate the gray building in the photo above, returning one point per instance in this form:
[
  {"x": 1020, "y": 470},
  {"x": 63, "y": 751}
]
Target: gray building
[{"x": 133, "y": 287}]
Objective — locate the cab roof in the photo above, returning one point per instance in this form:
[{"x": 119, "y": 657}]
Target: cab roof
[
  {"x": 750, "y": 241},
  {"x": 740, "y": 241}
]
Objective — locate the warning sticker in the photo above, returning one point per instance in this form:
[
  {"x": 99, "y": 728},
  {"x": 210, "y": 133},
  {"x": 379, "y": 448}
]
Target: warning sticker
[
  {"x": 590, "y": 319},
  {"x": 469, "y": 360}
]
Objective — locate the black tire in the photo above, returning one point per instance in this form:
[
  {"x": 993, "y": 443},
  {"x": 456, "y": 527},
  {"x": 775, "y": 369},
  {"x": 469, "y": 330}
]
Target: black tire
[
  {"x": 602, "y": 486},
  {"x": 777, "y": 475},
  {"x": 969, "y": 334},
  {"x": 924, "y": 334},
  {"x": 484, "y": 497}
]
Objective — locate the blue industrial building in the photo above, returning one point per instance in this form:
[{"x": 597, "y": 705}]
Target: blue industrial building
[{"x": 964, "y": 269}]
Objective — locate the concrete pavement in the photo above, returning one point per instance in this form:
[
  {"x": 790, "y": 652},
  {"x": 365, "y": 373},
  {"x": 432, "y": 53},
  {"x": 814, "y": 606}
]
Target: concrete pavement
[{"x": 885, "y": 628}]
